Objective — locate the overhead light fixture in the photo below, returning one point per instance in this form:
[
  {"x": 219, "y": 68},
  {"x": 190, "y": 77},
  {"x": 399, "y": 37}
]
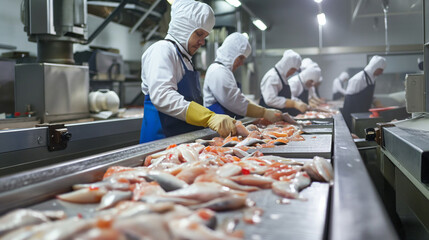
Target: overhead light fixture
[
  {"x": 321, "y": 19},
  {"x": 170, "y": 2},
  {"x": 246, "y": 35},
  {"x": 235, "y": 3},
  {"x": 259, "y": 24},
  {"x": 318, "y": 1}
]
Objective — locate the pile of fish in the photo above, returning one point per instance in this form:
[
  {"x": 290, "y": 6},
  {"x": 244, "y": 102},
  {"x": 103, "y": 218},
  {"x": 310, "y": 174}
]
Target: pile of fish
[{"x": 177, "y": 192}]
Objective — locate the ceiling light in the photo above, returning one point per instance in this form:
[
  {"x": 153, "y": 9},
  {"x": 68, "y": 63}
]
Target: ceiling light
[
  {"x": 261, "y": 25},
  {"x": 318, "y": 1},
  {"x": 246, "y": 35},
  {"x": 235, "y": 3},
  {"x": 321, "y": 19},
  {"x": 170, "y": 1}
]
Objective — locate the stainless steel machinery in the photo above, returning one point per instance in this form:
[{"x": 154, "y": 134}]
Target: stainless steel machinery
[{"x": 53, "y": 88}]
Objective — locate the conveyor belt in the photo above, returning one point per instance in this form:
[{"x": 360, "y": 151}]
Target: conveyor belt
[{"x": 309, "y": 219}]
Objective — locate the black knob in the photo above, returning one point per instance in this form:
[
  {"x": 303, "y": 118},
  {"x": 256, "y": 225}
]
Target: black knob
[
  {"x": 370, "y": 134},
  {"x": 66, "y": 136}
]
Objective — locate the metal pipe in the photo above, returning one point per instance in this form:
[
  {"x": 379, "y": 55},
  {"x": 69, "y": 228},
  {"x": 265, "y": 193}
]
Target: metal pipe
[
  {"x": 8, "y": 47},
  {"x": 238, "y": 19},
  {"x": 128, "y": 6},
  {"x": 320, "y": 37},
  {"x": 150, "y": 34},
  {"x": 355, "y": 12},
  {"x": 140, "y": 21},
  {"x": 263, "y": 43},
  {"x": 106, "y": 21}
]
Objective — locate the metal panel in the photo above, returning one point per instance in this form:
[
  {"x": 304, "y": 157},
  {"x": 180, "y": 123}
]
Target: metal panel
[
  {"x": 38, "y": 185},
  {"x": 41, "y": 17},
  {"x": 55, "y": 91},
  {"x": 25, "y": 149},
  {"x": 411, "y": 148},
  {"x": 314, "y": 145},
  {"x": 66, "y": 82},
  {"x": 356, "y": 212}
]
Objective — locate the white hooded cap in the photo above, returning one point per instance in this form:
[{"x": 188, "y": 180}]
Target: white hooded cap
[
  {"x": 290, "y": 59},
  {"x": 375, "y": 63},
  {"x": 235, "y": 45},
  {"x": 188, "y": 16},
  {"x": 306, "y": 62},
  {"x": 344, "y": 76},
  {"x": 310, "y": 73}
]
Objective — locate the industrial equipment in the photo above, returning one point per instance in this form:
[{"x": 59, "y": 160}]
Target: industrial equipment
[{"x": 53, "y": 88}]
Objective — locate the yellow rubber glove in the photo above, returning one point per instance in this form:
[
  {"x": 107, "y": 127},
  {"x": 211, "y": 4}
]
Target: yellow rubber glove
[
  {"x": 200, "y": 116},
  {"x": 256, "y": 111},
  {"x": 313, "y": 102},
  {"x": 302, "y": 107}
]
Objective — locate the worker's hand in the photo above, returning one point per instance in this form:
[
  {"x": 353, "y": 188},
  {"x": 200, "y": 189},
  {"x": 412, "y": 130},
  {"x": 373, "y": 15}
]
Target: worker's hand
[
  {"x": 200, "y": 116},
  {"x": 313, "y": 102},
  {"x": 273, "y": 115},
  {"x": 223, "y": 124},
  {"x": 302, "y": 107}
]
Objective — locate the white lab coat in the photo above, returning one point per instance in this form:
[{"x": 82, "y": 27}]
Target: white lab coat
[
  {"x": 358, "y": 82},
  {"x": 337, "y": 85},
  {"x": 220, "y": 84},
  {"x": 271, "y": 83},
  {"x": 162, "y": 69}
]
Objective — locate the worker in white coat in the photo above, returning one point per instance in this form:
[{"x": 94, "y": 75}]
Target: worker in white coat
[
  {"x": 275, "y": 89},
  {"x": 313, "y": 96},
  {"x": 360, "y": 88},
  {"x": 302, "y": 82},
  {"x": 338, "y": 90},
  {"x": 173, "y": 99},
  {"x": 221, "y": 92}
]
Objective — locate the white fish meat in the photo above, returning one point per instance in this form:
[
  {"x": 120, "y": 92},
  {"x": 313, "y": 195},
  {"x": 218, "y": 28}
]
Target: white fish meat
[
  {"x": 149, "y": 226},
  {"x": 113, "y": 197},
  {"x": 26, "y": 217},
  {"x": 228, "y": 170},
  {"x": 200, "y": 191},
  {"x": 84, "y": 195},
  {"x": 167, "y": 181}
]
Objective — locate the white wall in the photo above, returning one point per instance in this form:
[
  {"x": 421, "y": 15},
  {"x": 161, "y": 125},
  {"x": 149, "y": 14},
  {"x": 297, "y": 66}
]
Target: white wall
[{"x": 113, "y": 36}]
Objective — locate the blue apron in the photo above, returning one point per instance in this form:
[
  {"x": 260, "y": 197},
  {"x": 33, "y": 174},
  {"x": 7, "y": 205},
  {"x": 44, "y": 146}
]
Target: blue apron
[
  {"x": 358, "y": 102},
  {"x": 219, "y": 109},
  {"x": 157, "y": 125}
]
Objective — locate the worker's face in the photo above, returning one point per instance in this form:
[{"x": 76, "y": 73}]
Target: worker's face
[
  {"x": 378, "y": 72},
  {"x": 309, "y": 83},
  {"x": 316, "y": 84},
  {"x": 239, "y": 61},
  {"x": 196, "y": 40},
  {"x": 290, "y": 72}
]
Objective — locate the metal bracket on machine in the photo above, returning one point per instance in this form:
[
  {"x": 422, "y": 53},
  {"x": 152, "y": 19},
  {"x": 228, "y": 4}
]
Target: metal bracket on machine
[{"x": 58, "y": 136}]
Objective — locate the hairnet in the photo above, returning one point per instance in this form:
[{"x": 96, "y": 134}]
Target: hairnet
[
  {"x": 235, "y": 44},
  {"x": 290, "y": 59},
  {"x": 375, "y": 63},
  {"x": 344, "y": 76},
  {"x": 188, "y": 16},
  {"x": 310, "y": 73}
]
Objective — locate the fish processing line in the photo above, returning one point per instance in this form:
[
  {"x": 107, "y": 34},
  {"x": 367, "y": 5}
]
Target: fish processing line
[{"x": 349, "y": 209}]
